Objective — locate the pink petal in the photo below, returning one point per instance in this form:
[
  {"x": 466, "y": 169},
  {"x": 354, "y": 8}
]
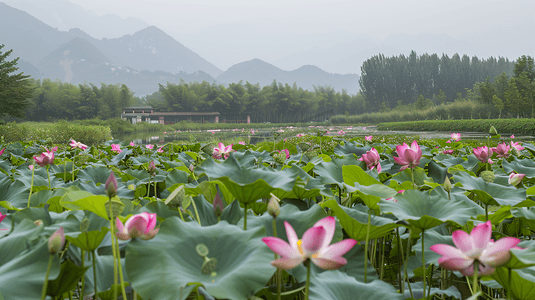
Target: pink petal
[
  {"x": 329, "y": 264},
  {"x": 379, "y": 169},
  {"x": 291, "y": 235},
  {"x": 462, "y": 240},
  {"x": 337, "y": 249},
  {"x": 329, "y": 224},
  {"x": 280, "y": 247},
  {"x": 287, "y": 263},
  {"x": 401, "y": 161},
  {"x": 454, "y": 263},
  {"x": 481, "y": 236},
  {"x": 498, "y": 253},
  {"x": 447, "y": 251},
  {"x": 313, "y": 239}
]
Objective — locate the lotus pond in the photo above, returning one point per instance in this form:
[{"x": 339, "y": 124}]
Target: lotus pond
[{"x": 293, "y": 219}]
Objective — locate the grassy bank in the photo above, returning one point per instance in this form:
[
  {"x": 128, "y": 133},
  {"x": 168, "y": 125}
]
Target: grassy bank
[
  {"x": 459, "y": 110},
  {"x": 510, "y": 126},
  {"x": 59, "y": 132}
]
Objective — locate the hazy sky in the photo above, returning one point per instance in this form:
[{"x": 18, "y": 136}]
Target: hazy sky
[{"x": 377, "y": 18}]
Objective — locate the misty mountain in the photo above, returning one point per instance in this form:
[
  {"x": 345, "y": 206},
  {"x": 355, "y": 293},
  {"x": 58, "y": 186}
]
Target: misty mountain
[
  {"x": 64, "y": 15},
  {"x": 258, "y": 71}
]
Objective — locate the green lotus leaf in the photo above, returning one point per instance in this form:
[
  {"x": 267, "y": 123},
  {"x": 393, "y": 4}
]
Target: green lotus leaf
[
  {"x": 418, "y": 288},
  {"x": 119, "y": 157},
  {"x": 89, "y": 241},
  {"x": 355, "y": 221},
  {"x": 231, "y": 213},
  {"x": 69, "y": 220},
  {"x": 350, "y": 148},
  {"x": 355, "y": 174},
  {"x": 521, "y": 166},
  {"x": 243, "y": 261},
  {"x": 141, "y": 160},
  {"x": 522, "y": 258},
  {"x": 306, "y": 187},
  {"x": 75, "y": 200},
  {"x": 67, "y": 279},
  {"x": 332, "y": 172},
  {"x": 517, "y": 282},
  {"x": 338, "y": 285},
  {"x": 15, "y": 193},
  {"x": 431, "y": 238},
  {"x": 424, "y": 210},
  {"x": 527, "y": 215},
  {"x": 420, "y": 178},
  {"x": 16, "y": 241},
  {"x": 246, "y": 184},
  {"x": 22, "y": 277},
  {"x": 499, "y": 195}
]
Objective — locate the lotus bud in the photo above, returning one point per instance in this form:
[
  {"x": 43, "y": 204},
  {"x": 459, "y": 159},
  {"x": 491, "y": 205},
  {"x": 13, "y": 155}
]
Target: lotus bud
[
  {"x": 447, "y": 185},
  {"x": 152, "y": 168},
  {"x": 84, "y": 225},
  {"x": 515, "y": 179},
  {"x": 492, "y": 131},
  {"x": 191, "y": 167},
  {"x": 38, "y": 222},
  {"x": 488, "y": 176},
  {"x": 117, "y": 208},
  {"x": 274, "y": 208},
  {"x": 218, "y": 205},
  {"x": 56, "y": 241},
  {"x": 111, "y": 185}
]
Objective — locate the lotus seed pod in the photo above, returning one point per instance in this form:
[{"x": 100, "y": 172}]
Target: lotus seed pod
[
  {"x": 117, "y": 208},
  {"x": 280, "y": 158},
  {"x": 488, "y": 176},
  {"x": 84, "y": 225},
  {"x": 202, "y": 250},
  {"x": 209, "y": 265}
]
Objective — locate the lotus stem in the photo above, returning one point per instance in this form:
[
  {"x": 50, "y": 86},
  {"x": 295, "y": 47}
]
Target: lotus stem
[
  {"x": 307, "y": 287},
  {"x": 148, "y": 188},
  {"x": 123, "y": 291},
  {"x": 423, "y": 260},
  {"x": 475, "y": 286},
  {"x": 45, "y": 284},
  {"x": 405, "y": 275},
  {"x": 412, "y": 178},
  {"x": 31, "y": 185},
  {"x": 114, "y": 251},
  {"x": 366, "y": 246},
  {"x": 73, "y": 158},
  {"x": 181, "y": 216},
  {"x": 486, "y": 212},
  {"x": 196, "y": 212},
  {"x": 155, "y": 194},
  {"x": 400, "y": 258},
  {"x": 65, "y": 165},
  {"x": 94, "y": 273},
  {"x": 47, "y": 175}
]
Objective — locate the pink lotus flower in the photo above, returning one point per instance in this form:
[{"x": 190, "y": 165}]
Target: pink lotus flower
[
  {"x": 394, "y": 199},
  {"x": 456, "y": 137},
  {"x": 116, "y": 148},
  {"x": 222, "y": 151},
  {"x": 368, "y": 138},
  {"x": 30, "y": 167},
  {"x": 517, "y": 146},
  {"x": 502, "y": 150},
  {"x": 512, "y": 136},
  {"x": 314, "y": 246},
  {"x": 160, "y": 150},
  {"x": 285, "y": 151},
  {"x": 483, "y": 154},
  {"x": 132, "y": 144},
  {"x": 448, "y": 142},
  {"x": 2, "y": 216},
  {"x": 2, "y": 151},
  {"x": 300, "y": 135},
  {"x": 241, "y": 143},
  {"x": 448, "y": 151},
  {"x": 341, "y": 132},
  {"x": 372, "y": 160},
  {"x": 46, "y": 158},
  {"x": 149, "y": 146},
  {"x": 74, "y": 144},
  {"x": 408, "y": 156},
  {"x": 111, "y": 185},
  {"x": 364, "y": 128},
  {"x": 477, "y": 245},
  {"x": 252, "y": 131},
  {"x": 515, "y": 179},
  {"x": 140, "y": 225}
]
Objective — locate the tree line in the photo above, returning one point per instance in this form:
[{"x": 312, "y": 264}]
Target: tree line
[{"x": 400, "y": 80}]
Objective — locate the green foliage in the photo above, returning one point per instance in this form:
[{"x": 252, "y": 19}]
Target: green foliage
[
  {"x": 60, "y": 132},
  {"x": 14, "y": 88}
]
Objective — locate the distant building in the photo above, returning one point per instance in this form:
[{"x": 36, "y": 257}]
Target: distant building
[{"x": 136, "y": 114}]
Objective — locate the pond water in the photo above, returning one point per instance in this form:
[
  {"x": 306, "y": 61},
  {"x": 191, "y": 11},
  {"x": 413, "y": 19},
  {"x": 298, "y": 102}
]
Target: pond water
[{"x": 262, "y": 134}]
